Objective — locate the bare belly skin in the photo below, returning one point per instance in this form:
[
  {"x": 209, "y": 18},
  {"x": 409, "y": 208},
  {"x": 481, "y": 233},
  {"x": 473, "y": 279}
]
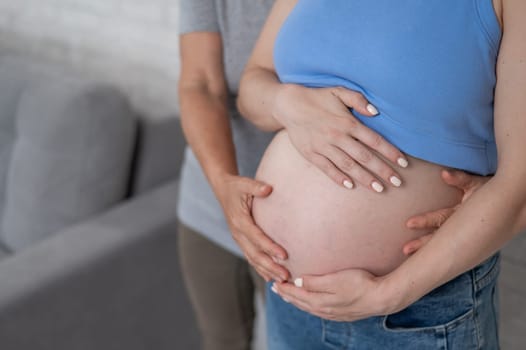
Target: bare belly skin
[{"x": 326, "y": 228}]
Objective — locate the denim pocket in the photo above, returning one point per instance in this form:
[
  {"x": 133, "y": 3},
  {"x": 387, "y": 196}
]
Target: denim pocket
[
  {"x": 487, "y": 272},
  {"x": 458, "y": 315},
  {"x": 458, "y": 333},
  {"x": 445, "y": 306},
  {"x": 398, "y": 324}
]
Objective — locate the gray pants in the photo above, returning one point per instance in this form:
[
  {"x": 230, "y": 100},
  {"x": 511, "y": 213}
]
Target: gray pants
[{"x": 221, "y": 287}]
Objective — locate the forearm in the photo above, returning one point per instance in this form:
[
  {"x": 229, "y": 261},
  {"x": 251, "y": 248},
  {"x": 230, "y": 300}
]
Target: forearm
[
  {"x": 484, "y": 223},
  {"x": 496, "y": 212},
  {"x": 206, "y": 125},
  {"x": 257, "y": 97}
]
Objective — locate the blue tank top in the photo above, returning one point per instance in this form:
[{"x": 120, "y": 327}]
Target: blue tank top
[{"x": 427, "y": 65}]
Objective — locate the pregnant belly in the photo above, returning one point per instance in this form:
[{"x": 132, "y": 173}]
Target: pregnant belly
[{"x": 326, "y": 228}]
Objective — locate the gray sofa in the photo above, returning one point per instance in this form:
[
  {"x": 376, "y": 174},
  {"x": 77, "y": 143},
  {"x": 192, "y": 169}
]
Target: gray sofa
[{"x": 87, "y": 217}]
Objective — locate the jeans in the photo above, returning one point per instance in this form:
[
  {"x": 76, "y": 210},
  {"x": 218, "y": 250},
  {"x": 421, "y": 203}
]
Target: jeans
[{"x": 459, "y": 315}]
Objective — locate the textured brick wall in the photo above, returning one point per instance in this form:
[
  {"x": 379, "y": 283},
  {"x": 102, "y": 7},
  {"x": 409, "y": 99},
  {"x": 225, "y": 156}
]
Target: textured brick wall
[{"x": 130, "y": 42}]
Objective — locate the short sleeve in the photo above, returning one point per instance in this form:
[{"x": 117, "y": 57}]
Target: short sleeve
[{"x": 197, "y": 16}]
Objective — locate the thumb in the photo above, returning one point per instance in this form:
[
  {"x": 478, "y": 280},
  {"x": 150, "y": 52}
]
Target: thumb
[
  {"x": 255, "y": 187},
  {"x": 355, "y": 100},
  {"x": 317, "y": 284}
]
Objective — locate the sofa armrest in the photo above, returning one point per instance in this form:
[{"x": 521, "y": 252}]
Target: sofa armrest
[{"x": 111, "y": 282}]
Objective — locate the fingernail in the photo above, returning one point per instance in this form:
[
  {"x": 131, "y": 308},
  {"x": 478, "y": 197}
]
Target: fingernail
[
  {"x": 277, "y": 260},
  {"x": 286, "y": 300},
  {"x": 348, "y": 184},
  {"x": 274, "y": 289},
  {"x": 280, "y": 260},
  {"x": 395, "y": 181},
  {"x": 298, "y": 282},
  {"x": 372, "y": 109},
  {"x": 377, "y": 187},
  {"x": 403, "y": 162}
]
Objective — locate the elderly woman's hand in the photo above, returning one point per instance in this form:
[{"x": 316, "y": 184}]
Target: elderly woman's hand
[
  {"x": 235, "y": 196},
  {"x": 433, "y": 220},
  {"x": 324, "y": 130}
]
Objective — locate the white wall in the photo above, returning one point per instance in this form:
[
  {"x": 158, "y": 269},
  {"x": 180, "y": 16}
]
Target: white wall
[{"x": 130, "y": 42}]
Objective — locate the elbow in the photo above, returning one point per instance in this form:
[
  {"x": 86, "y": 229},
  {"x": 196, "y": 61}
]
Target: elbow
[
  {"x": 245, "y": 113},
  {"x": 253, "y": 98},
  {"x": 516, "y": 203},
  {"x": 244, "y": 108},
  {"x": 241, "y": 105},
  {"x": 517, "y": 206},
  {"x": 521, "y": 222}
]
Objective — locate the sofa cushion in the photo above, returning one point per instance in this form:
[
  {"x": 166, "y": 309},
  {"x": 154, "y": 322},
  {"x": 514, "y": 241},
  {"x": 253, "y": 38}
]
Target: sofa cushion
[
  {"x": 12, "y": 84},
  {"x": 16, "y": 73},
  {"x": 4, "y": 252},
  {"x": 6, "y": 142},
  {"x": 70, "y": 160}
]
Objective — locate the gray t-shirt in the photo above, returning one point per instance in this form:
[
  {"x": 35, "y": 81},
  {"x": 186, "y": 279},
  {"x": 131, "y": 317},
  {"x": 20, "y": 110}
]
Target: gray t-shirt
[{"x": 239, "y": 23}]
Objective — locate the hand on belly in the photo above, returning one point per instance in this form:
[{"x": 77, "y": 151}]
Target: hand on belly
[{"x": 325, "y": 227}]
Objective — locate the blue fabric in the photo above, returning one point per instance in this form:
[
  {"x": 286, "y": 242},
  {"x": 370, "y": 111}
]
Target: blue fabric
[
  {"x": 460, "y": 315},
  {"x": 428, "y": 66}
]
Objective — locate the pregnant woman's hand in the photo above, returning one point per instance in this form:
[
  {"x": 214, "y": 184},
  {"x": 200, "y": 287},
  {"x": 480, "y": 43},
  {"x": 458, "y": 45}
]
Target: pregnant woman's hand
[
  {"x": 347, "y": 295},
  {"x": 325, "y": 132},
  {"x": 465, "y": 182},
  {"x": 263, "y": 254}
]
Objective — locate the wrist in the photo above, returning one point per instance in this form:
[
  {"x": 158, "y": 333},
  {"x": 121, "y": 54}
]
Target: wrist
[
  {"x": 219, "y": 180},
  {"x": 393, "y": 295}
]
